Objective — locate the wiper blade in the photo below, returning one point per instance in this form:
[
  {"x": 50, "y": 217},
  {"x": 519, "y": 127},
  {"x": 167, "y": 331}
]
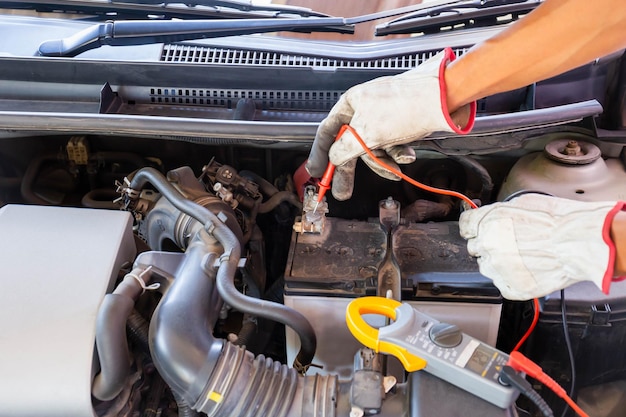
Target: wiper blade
[
  {"x": 471, "y": 12},
  {"x": 142, "y": 32},
  {"x": 246, "y": 6},
  {"x": 119, "y": 11}
]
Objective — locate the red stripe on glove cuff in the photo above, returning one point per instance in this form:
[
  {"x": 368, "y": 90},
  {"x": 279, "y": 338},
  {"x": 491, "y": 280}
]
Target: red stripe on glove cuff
[
  {"x": 449, "y": 56},
  {"x": 606, "y": 235}
]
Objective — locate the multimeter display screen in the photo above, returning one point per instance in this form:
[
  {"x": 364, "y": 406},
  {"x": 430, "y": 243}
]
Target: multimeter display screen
[{"x": 480, "y": 359}]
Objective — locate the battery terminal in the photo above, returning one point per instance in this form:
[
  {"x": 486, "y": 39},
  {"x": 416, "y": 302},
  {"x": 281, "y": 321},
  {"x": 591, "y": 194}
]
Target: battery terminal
[{"x": 313, "y": 213}]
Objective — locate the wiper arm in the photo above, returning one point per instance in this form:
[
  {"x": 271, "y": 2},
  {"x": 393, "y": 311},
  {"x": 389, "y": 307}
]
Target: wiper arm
[
  {"x": 142, "y": 32},
  {"x": 434, "y": 17}
]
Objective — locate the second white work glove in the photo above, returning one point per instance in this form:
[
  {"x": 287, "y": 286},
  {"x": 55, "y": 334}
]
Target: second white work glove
[
  {"x": 387, "y": 113},
  {"x": 536, "y": 244}
]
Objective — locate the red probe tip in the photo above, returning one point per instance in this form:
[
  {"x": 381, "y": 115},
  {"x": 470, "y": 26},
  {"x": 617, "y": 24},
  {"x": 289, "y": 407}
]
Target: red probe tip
[{"x": 327, "y": 178}]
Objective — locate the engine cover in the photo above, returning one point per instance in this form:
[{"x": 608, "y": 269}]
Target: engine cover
[{"x": 56, "y": 264}]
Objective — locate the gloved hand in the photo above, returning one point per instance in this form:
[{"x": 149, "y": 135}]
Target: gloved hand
[
  {"x": 387, "y": 113},
  {"x": 537, "y": 244}
]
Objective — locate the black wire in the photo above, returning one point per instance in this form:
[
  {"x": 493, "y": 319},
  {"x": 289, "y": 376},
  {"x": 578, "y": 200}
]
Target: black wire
[
  {"x": 522, "y": 192},
  {"x": 508, "y": 376},
  {"x": 570, "y": 352}
]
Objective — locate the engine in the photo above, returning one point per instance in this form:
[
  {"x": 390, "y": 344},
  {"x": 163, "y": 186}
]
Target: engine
[{"x": 215, "y": 291}]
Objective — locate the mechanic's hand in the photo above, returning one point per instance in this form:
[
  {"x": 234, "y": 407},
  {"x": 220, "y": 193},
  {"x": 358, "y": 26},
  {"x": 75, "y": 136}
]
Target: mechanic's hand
[
  {"x": 537, "y": 244},
  {"x": 387, "y": 112}
]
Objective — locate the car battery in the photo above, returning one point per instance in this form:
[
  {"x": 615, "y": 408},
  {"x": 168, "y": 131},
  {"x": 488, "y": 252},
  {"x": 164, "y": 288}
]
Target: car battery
[
  {"x": 596, "y": 326},
  {"x": 433, "y": 397},
  {"x": 326, "y": 271}
]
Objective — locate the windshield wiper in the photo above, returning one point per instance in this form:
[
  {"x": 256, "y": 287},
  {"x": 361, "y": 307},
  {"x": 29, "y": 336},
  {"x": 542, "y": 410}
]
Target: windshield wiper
[
  {"x": 471, "y": 13},
  {"x": 142, "y": 32}
]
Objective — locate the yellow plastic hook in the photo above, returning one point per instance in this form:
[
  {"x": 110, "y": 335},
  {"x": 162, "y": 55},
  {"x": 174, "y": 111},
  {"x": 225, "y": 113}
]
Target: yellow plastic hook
[{"x": 368, "y": 335}]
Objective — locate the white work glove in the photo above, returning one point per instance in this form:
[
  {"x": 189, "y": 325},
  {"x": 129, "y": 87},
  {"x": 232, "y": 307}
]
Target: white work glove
[
  {"x": 387, "y": 113},
  {"x": 537, "y": 244}
]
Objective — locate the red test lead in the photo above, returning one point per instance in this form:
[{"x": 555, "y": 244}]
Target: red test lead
[{"x": 327, "y": 178}]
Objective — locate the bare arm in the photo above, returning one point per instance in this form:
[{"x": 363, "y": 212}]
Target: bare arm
[
  {"x": 557, "y": 36},
  {"x": 618, "y": 234}
]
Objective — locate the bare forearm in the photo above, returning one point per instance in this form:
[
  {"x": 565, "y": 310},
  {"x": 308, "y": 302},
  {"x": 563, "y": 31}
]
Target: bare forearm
[
  {"x": 558, "y": 36},
  {"x": 618, "y": 234}
]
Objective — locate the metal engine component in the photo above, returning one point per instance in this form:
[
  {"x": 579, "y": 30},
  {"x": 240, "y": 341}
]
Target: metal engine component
[
  {"x": 572, "y": 152},
  {"x": 161, "y": 222},
  {"x": 389, "y": 275},
  {"x": 78, "y": 254},
  {"x": 367, "y": 391},
  {"x": 313, "y": 213},
  {"x": 570, "y": 169},
  {"x": 231, "y": 187}
]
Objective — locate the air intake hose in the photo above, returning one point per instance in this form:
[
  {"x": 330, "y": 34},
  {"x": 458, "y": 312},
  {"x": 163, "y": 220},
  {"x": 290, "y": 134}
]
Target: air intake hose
[
  {"x": 209, "y": 375},
  {"x": 245, "y": 386},
  {"x": 228, "y": 267},
  {"x": 218, "y": 378}
]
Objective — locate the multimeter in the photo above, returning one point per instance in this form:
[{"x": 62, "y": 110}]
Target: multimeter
[{"x": 441, "y": 349}]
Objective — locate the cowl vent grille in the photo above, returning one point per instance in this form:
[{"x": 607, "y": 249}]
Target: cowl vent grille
[
  {"x": 228, "y": 98},
  {"x": 228, "y": 56}
]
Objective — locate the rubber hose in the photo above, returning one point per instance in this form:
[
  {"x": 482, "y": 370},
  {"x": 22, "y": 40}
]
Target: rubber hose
[
  {"x": 247, "y": 331},
  {"x": 483, "y": 174},
  {"x": 278, "y": 312},
  {"x": 184, "y": 410},
  {"x": 266, "y": 187},
  {"x": 228, "y": 267},
  {"x": 138, "y": 329},
  {"x": 111, "y": 340},
  {"x": 278, "y": 198},
  {"x": 29, "y": 179},
  {"x": 112, "y": 346},
  {"x": 96, "y": 199},
  {"x": 251, "y": 222}
]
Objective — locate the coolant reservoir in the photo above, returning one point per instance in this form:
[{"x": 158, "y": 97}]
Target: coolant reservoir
[{"x": 569, "y": 169}]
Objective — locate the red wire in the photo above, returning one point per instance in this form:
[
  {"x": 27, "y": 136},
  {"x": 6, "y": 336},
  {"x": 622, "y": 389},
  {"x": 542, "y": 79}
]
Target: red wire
[
  {"x": 406, "y": 177},
  {"x": 521, "y": 363},
  {"x": 531, "y": 327},
  {"x": 575, "y": 406}
]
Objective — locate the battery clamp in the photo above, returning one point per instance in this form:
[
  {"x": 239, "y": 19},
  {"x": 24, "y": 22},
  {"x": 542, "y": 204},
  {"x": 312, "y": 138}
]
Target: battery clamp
[{"x": 443, "y": 350}]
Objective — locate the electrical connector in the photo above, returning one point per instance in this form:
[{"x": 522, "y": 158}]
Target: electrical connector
[
  {"x": 521, "y": 363},
  {"x": 509, "y": 376}
]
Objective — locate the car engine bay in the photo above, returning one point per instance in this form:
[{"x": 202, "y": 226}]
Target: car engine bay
[{"x": 161, "y": 255}]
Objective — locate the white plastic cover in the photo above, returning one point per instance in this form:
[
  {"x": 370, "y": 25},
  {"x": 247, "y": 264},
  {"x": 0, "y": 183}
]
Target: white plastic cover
[{"x": 56, "y": 264}]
